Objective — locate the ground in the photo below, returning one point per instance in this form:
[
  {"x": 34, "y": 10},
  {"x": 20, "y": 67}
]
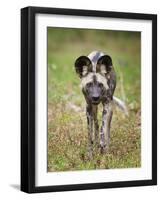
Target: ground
[{"x": 67, "y": 127}]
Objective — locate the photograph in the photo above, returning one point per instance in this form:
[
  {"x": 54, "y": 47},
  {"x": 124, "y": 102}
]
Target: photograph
[
  {"x": 94, "y": 99},
  {"x": 89, "y": 99}
]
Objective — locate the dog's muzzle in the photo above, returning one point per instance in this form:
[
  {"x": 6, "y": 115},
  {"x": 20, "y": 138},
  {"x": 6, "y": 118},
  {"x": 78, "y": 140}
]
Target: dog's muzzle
[{"x": 95, "y": 100}]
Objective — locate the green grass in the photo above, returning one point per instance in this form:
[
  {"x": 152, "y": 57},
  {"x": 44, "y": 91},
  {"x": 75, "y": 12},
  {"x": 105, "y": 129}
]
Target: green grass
[{"x": 67, "y": 128}]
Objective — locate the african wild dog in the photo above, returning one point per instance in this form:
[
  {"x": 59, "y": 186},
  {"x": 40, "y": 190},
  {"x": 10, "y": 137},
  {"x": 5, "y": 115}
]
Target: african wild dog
[{"x": 98, "y": 82}]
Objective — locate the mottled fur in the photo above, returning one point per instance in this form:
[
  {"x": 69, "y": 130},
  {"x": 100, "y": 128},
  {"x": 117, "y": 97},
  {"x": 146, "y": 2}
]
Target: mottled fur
[{"x": 98, "y": 82}]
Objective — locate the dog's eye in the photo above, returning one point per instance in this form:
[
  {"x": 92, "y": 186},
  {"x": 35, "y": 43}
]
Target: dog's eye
[
  {"x": 100, "y": 85},
  {"x": 89, "y": 84}
]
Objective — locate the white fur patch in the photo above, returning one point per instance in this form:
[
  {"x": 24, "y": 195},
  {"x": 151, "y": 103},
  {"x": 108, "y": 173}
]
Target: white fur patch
[
  {"x": 85, "y": 70},
  {"x": 87, "y": 79},
  {"x": 93, "y": 54},
  {"x": 102, "y": 79},
  {"x": 103, "y": 69}
]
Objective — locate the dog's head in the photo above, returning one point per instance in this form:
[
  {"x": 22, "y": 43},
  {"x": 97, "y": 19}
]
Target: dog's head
[{"x": 94, "y": 72}]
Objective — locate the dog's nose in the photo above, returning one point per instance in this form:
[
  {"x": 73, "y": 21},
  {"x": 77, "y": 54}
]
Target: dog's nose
[{"x": 95, "y": 98}]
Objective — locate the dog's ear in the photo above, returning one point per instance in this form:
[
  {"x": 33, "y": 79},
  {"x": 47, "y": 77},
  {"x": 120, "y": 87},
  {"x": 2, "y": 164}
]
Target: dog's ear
[
  {"x": 104, "y": 64},
  {"x": 83, "y": 65}
]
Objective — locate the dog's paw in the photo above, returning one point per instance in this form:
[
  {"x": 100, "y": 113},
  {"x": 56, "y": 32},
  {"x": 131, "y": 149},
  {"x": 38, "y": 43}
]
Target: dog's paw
[
  {"x": 90, "y": 155},
  {"x": 104, "y": 149}
]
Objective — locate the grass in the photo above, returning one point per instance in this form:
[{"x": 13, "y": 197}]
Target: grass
[{"x": 67, "y": 127}]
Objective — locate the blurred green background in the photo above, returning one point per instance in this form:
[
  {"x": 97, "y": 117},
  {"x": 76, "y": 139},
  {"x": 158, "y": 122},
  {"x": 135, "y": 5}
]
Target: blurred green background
[{"x": 67, "y": 129}]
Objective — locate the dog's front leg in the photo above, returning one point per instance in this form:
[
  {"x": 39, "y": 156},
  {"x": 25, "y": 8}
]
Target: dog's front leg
[
  {"x": 96, "y": 126},
  {"x": 105, "y": 129},
  {"x": 90, "y": 129}
]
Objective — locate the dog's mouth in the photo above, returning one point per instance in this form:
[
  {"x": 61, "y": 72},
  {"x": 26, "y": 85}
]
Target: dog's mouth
[{"x": 95, "y": 102}]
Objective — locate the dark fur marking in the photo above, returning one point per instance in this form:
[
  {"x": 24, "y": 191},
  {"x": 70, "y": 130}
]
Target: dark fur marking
[
  {"x": 97, "y": 126},
  {"x": 94, "y": 79},
  {"x": 101, "y": 129},
  {"x": 88, "y": 120},
  {"x": 96, "y": 57},
  {"x": 89, "y": 109},
  {"x": 104, "y": 112},
  {"x": 102, "y": 136},
  {"x": 80, "y": 62}
]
